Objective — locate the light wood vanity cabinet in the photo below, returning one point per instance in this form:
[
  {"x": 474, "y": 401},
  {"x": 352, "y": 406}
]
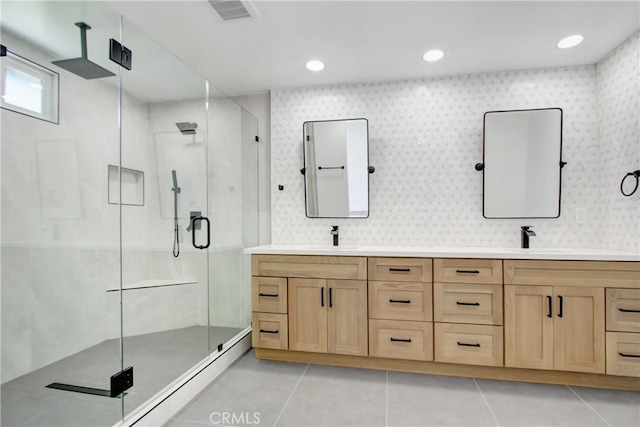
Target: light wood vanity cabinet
[
  {"x": 269, "y": 317},
  {"x": 400, "y": 308},
  {"x": 468, "y": 311},
  {"x": 328, "y": 316},
  {"x": 555, "y": 312},
  {"x": 559, "y": 322},
  {"x": 623, "y": 332}
]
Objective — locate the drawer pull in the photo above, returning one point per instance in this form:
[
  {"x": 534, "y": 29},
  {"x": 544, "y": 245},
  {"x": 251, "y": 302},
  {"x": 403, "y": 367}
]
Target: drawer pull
[
  {"x": 467, "y": 271},
  {"x": 464, "y": 344},
  {"x": 628, "y": 310},
  {"x": 400, "y": 339},
  {"x": 268, "y": 295},
  {"x": 467, "y": 303},
  {"x": 629, "y": 355},
  {"x": 266, "y": 331},
  {"x": 550, "y": 301},
  {"x": 399, "y": 270},
  {"x": 400, "y": 301}
]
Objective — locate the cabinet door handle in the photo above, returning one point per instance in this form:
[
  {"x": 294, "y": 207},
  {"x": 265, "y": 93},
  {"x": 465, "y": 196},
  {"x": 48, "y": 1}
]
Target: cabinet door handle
[
  {"x": 266, "y": 331},
  {"x": 400, "y": 301},
  {"x": 400, "y": 339},
  {"x": 629, "y": 355},
  {"x": 464, "y": 344},
  {"x": 561, "y": 301},
  {"x": 322, "y": 297},
  {"x": 399, "y": 270},
  {"x": 628, "y": 310},
  {"x": 330, "y": 297},
  {"x": 268, "y": 295},
  {"x": 467, "y": 303},
  {"x": 467, "y": 271},
  {"x": 550, "y": 301}
]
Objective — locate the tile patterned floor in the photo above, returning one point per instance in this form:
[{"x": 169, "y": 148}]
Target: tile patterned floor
[
  {"x": 287, "y": 394},
  {"x": 157, "y": 358}
]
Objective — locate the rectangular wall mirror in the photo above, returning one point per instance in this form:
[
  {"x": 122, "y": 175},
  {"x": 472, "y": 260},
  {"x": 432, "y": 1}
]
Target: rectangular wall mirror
[
  {"x": 336, "y": 168},
  {"x": 522, "y": 163}
]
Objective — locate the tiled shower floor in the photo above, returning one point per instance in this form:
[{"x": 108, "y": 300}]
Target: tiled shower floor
[
  {"x": 157, "y": 358},
  {"x": 287, "y": 394}
]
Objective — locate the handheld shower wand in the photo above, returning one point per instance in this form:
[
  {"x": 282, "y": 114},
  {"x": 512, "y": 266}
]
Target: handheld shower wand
[{"x": 176, "y": 190}]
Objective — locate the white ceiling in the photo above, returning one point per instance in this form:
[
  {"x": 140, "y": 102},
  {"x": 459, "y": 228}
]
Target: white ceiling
[{"x": 362, "y": 41}]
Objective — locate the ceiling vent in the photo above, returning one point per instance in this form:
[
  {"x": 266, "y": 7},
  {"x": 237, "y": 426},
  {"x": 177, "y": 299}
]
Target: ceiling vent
[{"x": 232, "y": 10}]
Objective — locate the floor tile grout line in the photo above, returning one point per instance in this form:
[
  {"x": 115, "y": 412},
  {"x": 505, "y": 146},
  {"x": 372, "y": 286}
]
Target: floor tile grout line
[
  {"x": 589, "y": 406},
  {"x": 386, "y": 405},
  {"x": 486, "y": 402},
  {"x": 291, "y": 395}
]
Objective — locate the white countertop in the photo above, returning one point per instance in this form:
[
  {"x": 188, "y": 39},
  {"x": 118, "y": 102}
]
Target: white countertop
[{"x": 447, "y": 252}]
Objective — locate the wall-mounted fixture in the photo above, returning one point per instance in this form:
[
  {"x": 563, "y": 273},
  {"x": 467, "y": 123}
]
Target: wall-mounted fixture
[
  {"x": 522, "y": 163},
  {"x": 634, "y": 174},
  {"x": 336, "y": 168}
]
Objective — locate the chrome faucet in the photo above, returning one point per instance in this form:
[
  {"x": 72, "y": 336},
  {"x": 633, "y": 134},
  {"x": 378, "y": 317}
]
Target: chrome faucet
[
  {"x": 334, "y": 232},
  {"x": 525, "y": 233}
]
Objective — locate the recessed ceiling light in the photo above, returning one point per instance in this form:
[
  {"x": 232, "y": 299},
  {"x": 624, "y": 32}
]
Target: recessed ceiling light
[
  {"x": 570, "y": 41},
  {"x": 315, "y": 65},
  {"x": 433, "y": 55}
]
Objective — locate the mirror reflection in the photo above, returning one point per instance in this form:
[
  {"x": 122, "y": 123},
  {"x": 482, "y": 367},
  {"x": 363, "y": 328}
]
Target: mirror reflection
[
  {"x": 336, "y": 168},
  {"x": 522, "y": 163}
]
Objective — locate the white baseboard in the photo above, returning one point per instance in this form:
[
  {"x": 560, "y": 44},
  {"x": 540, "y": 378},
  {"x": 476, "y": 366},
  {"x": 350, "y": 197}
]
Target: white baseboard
[{"x": 157, "y": 411}]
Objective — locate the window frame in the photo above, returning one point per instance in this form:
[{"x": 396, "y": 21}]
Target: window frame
[{"x": 50, "y": 87}]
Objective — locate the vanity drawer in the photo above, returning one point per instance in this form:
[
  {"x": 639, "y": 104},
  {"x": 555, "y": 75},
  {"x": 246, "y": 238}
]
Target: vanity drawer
[
  {"x": 400, "y": 301},
  {"x": 317, "y": 267},
  {"x": 467, "y": 303},
  {"x": 454, "y": 270},
  {"x": 623, "y": 310},
  {"x": 269, "y": 294},
  {"x": 400, "y": 269},
  {"x": 623, "y": 354},
  {"x": 468, "y": 344},
  {"x": 607, "y": 274},
  {"x": 396, "y": 339},
  {"x": 269, "y": 331}
]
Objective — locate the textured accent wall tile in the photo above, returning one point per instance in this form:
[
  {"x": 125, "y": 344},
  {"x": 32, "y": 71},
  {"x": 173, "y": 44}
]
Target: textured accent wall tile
[
  {"x": 425, "y": 137},
  {"x": 618, "y": 77}
]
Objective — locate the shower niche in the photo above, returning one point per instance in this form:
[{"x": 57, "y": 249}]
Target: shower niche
[{"x": 132, "y": 186}]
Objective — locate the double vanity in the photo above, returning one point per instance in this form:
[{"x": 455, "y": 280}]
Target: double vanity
[{"x": 551, "y": 316}]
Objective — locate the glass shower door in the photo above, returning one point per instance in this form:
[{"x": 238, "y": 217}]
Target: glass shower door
[
  {"x": 60, "y": 233},
  {"x": 165, "y": 225}
]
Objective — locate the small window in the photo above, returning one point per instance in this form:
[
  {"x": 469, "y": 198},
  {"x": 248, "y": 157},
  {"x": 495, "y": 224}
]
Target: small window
[{"x": 29, "y": 88}]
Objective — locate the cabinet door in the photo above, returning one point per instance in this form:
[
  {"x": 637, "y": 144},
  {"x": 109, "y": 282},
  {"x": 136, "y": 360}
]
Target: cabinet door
[
  {"x": 579, "y": 334},
  {"x": 347, "y": 317},
  {"x": 308, "y": 315},
  {"x": 528, "y": 326}
]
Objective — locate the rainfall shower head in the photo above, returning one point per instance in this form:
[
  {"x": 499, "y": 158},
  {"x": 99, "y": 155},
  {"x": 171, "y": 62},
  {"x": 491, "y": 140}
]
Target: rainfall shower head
[
  {"x": 82, "y": 66},
  {"x": 187, "y": 128}
]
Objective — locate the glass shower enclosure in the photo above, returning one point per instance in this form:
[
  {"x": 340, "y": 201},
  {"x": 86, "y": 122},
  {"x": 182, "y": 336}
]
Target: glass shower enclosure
[{"x": 123, "y": 218}]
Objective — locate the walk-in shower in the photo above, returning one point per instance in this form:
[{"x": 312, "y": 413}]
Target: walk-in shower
[{"x": 108, "y": 292}]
